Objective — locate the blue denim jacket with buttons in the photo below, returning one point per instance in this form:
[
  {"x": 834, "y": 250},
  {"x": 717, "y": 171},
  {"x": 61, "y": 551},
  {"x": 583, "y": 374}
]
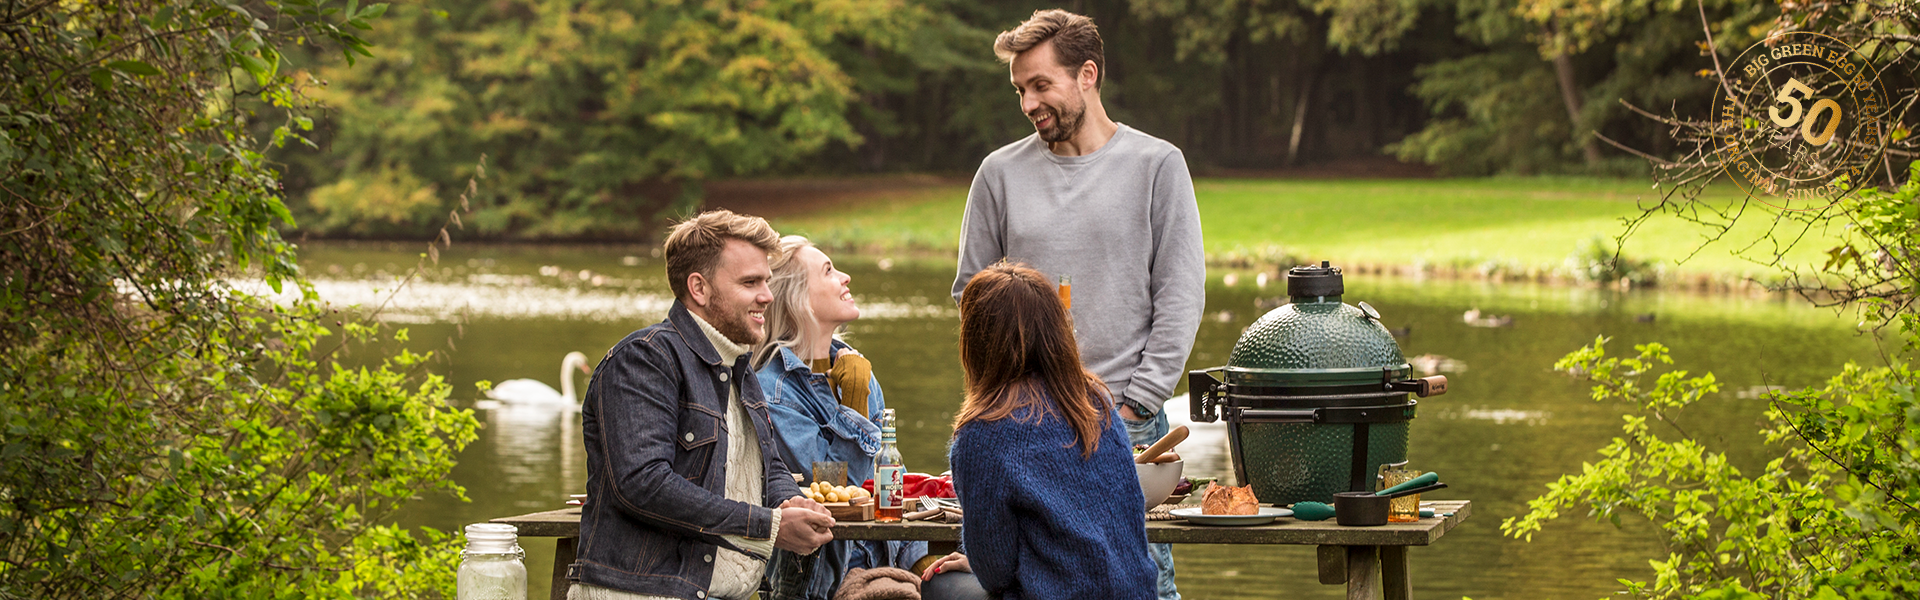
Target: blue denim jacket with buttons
[
  {"x": 816, "y": 427},
  {"x": 654, "y": 419}
]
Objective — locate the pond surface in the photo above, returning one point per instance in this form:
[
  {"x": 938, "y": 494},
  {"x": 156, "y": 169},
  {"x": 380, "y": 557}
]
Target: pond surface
[{"x": 1508, "y": 426}]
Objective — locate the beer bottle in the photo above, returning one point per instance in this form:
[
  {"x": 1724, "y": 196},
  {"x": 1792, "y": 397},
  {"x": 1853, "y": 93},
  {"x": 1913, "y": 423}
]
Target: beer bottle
[{"x": 889, "y": 476}]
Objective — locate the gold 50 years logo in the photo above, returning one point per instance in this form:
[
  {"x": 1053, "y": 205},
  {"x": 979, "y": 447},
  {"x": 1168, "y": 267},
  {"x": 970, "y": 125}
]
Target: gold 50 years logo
[{"x": 1797, "y": 113}]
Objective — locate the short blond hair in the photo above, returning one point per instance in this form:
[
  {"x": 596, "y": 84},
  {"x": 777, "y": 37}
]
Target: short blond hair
[
  {"x": 695, "y": 245},
  {"x": 1075, "y": 41}
]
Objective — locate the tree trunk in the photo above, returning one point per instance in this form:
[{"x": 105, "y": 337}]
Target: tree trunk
[
  {"x": 1307, "y": 78},
  {"x": 1570, "y": 93}
]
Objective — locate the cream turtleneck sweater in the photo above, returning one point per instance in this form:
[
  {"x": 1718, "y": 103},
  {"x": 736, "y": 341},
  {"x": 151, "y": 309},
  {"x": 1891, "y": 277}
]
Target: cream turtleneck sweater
[{"x": 735, "y": 575}]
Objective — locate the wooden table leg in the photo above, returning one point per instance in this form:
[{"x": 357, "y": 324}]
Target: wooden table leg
[
  {"x": 1395, "y": 583},
  {"x": 1333, "y": 564},
  {"x": 1363, "y": 565},
  {"x": 562, "y": 556}
]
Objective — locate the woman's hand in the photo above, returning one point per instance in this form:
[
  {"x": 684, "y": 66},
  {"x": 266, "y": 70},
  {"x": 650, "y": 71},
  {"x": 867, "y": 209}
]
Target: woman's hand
[{"x": 950, "y": 562}]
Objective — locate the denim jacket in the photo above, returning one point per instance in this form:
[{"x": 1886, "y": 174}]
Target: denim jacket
[
  {"x": 654, "y": 419},
  {"x": 815, "y": 427}
]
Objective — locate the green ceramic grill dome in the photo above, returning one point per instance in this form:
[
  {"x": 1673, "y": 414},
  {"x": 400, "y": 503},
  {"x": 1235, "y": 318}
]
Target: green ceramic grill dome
[
  {"x": 1321, "y": 333},
  {"x": 1306, "y": 385}
]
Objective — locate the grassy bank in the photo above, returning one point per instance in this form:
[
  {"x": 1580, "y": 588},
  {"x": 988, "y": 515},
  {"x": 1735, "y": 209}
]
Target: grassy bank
[{"x": 1495, "y": 227}]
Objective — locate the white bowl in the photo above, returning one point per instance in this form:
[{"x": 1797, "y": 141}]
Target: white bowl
[{"x": 1158, "y": 480}]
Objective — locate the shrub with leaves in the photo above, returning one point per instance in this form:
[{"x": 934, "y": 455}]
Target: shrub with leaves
[
  {"x": 1831, "y": 515},
  {"x": 169, "y": 432}
]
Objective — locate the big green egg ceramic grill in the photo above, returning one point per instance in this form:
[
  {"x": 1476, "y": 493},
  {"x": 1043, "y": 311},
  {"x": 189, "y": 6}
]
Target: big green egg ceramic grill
[{"x": 1316, "y": 394}]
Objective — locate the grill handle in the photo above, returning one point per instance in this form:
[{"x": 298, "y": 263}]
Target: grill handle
[
  {"x": 1203, "y": 395},
  {"x": 1422, "y": 387},
  {"x": 1274, "y": 415}
]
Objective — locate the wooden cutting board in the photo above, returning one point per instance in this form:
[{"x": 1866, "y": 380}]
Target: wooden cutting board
[{"x": 859, "y": 510}]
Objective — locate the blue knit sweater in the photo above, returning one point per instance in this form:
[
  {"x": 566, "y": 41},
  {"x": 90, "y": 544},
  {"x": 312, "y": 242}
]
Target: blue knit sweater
[{"x": 1044, "y": 523}]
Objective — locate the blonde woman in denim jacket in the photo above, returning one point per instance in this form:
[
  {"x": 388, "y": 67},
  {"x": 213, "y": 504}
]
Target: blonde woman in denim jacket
[{"x": 825, "y": 404}]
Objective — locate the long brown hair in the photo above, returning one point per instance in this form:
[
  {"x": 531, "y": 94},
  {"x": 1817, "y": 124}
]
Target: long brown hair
[{"x": 1015, "y": 339}]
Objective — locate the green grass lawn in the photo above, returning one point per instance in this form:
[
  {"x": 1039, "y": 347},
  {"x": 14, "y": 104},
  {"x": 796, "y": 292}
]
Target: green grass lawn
[{"x": 1517, "y": 224}]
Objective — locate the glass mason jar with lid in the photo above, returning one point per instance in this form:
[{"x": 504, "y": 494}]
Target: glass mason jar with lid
[{"x": 491, "y": 567}]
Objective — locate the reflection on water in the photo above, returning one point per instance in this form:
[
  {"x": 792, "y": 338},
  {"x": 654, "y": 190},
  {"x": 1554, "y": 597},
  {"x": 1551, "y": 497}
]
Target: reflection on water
[
  {"x": 1205, "y": 451},
  {"x": 1507, "y": 427},
  {"x": 531, "y": 442},
  {"x": 494, "y": 296}
]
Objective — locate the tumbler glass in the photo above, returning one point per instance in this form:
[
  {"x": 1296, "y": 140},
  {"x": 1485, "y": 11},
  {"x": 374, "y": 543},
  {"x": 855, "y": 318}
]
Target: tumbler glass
[{"x": 1405, "y": 509}]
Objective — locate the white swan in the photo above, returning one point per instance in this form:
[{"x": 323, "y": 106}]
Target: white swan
[{"x": 532, "y": 391}]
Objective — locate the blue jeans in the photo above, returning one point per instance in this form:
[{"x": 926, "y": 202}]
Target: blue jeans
[{"x": 1148, "y": 432}]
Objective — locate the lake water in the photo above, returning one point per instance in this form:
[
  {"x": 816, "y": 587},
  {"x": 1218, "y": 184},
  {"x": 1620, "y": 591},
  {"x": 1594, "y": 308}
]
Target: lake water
[{"x": 1508, "y": 426}]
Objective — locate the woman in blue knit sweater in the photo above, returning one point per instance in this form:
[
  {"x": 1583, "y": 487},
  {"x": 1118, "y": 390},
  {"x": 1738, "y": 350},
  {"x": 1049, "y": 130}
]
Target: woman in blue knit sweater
[{"x": 1040, "y": 462}]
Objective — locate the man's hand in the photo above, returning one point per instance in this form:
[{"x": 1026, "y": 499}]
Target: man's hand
[
  {"x": 1126, "y": 412},
  {"x": 803, "y": 529},
  {"x": 806, "y": 503}
]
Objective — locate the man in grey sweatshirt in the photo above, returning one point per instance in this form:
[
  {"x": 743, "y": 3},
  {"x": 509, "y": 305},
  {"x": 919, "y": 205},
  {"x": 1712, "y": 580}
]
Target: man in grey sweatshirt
[{"x": 1099, "y": 202}]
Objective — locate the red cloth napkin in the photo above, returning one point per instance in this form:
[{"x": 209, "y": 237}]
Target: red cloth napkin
[{"x": 922, "y": 484}]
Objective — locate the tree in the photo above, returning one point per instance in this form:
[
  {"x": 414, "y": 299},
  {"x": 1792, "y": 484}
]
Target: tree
[
  {"x": 172, "y": 432},
  {"x": 1494, "y": 109},
  {"x": 1311, "y": 30},
  {"x": 601, "y": 117}
]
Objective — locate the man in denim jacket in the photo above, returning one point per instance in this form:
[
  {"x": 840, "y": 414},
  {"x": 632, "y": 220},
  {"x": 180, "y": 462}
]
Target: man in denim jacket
[{"x": 681, "y": 462}]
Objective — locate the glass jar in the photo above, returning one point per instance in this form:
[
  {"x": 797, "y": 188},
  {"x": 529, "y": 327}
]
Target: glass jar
[{"x": 491, "y": 567}]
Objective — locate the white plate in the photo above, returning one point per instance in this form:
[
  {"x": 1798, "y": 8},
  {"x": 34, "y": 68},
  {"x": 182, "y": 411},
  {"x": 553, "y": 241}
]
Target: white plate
[{"x": 1267, "y": 515}]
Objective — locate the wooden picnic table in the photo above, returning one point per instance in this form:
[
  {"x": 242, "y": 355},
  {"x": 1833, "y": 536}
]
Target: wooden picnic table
[{"x": 1371, "y": 561}]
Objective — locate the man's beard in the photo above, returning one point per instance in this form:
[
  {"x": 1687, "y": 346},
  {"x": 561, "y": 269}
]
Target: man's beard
[
  {"x": 1065, "y": 125},
  {"x": 731, "y": 321}
]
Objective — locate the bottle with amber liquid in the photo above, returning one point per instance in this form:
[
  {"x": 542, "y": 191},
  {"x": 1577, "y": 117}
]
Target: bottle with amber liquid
[{"x": 889, "y": 476}]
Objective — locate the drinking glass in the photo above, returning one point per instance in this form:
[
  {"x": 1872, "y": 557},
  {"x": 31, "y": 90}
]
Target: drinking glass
[{"x": 1405, "y": 509}]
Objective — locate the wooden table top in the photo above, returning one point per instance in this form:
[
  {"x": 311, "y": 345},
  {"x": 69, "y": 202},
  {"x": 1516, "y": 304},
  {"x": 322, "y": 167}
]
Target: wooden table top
[{"x": 566, "y": 523}]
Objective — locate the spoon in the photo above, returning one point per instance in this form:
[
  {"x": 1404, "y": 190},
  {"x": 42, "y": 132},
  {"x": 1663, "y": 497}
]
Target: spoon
[{"x": 1167, "y": 442}]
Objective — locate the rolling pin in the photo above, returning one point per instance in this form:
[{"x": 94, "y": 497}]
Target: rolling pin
[{"x": 1173, "y": 438}]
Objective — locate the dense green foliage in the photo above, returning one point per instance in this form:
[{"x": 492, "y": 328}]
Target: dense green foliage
[
  {"x": 1836, "y": 514},
  {"x": 171, "y": 432},
  {"x": 604, "y": 116},
  {"x": 1550, "y": 79},
  {"x": 601, "y": 118}
]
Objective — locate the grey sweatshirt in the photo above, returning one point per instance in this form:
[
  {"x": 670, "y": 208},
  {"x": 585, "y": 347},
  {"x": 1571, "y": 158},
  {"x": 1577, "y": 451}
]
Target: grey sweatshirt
[{"x": 1123, "y": 224}]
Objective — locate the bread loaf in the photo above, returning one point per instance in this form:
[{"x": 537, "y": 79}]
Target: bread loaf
[{"x": 1223, "y": 500}]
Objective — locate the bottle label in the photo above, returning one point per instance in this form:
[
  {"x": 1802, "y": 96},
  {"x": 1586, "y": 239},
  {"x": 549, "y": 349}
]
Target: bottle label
[{"x": 889, "y": 486}]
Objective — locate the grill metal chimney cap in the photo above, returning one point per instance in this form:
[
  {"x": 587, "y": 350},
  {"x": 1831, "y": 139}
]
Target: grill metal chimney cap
[{"x": 1310, "y": 281}]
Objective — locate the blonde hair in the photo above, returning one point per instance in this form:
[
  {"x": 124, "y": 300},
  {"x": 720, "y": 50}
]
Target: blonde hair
[
  {"x": 1075, "y": 41},
  {"x": 790, "y": 318},
  {"x": 694, "y": 245}
]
